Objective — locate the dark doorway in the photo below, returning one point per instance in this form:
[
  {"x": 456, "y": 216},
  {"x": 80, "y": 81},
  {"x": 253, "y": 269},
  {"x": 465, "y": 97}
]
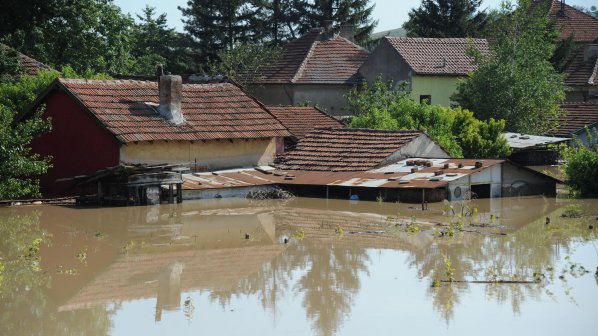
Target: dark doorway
[{"x": 480, "y": 191}]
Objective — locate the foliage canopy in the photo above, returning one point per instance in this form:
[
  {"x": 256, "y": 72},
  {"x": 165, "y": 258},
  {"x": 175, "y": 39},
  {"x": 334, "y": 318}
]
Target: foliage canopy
[
  {"x": 517, "y": 81},
  {"x": 456, "y": 130},
  {"x": 446, "y": 18}
]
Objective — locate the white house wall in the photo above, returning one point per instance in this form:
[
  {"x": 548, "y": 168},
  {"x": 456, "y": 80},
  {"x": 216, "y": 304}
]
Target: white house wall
[
  {"x": 422, "y": 146},
  {"x": 491, "y": 176}
]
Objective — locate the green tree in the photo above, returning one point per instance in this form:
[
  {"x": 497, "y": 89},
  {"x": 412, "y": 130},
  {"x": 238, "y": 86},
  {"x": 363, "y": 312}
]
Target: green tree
[
  {"x": 154, "y": 42},
  {"x": 581, "y": 166},
  {"x": 355, "y": 12},
  {"x": 215, "y": 25},
  {"x": 446, "y": 18},
  {"x": 244, "y": 63},
  {"x": 281, "y": 19},
  {"x": 19, "y": 167},
  {"x": 10, "y": 64},
  {"x": 517, "y": 81},
  {"x": 22, "y": 15},
  {"x": 455, "y": 129},
  {"x": 85, "y": 34}
]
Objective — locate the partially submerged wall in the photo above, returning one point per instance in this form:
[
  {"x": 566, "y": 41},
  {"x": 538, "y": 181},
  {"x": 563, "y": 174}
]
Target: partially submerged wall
[
  {"x": 209, "y": 155},
  {"x": 520, "y": 181}
]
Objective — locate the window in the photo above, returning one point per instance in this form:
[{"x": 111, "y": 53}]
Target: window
[{"x": 425, "y": 99}]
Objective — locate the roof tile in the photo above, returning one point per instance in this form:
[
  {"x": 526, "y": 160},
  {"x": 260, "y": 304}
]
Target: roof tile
[
  {"x": 438, "y": 56},
  {"x": 212, "y": 111},
  {"x": 302, "y": 120}
]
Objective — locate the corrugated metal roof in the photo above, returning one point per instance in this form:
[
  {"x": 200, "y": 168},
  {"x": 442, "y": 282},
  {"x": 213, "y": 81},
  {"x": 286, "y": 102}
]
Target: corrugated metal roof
[
  {"x": 521, "y": 141},
  {"x": 429, "y": 174}
]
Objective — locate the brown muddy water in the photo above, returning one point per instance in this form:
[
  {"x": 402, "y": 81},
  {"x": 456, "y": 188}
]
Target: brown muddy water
[{"x": 222, "y": 267}]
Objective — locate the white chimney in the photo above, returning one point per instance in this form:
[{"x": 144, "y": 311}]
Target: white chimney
[{"x": 171, "y": 97}]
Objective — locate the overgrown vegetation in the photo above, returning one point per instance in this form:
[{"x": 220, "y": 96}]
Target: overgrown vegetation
[
  {"x": 462, "y": 135},
  {"x": 581, "y": 167}
]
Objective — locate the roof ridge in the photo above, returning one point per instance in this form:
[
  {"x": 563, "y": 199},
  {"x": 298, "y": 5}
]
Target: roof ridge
[{"x": 309, "y": 54}]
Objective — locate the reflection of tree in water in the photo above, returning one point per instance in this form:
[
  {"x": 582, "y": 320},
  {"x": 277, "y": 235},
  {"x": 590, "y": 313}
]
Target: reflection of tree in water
[
  {"x": 328, "y": 285},
  {"x": 24, "y": 306},
  {"x": 535, "y": 248}
]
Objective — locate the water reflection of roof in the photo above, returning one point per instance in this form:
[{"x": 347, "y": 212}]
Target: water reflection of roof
[
  {"x": 135, "y": 276},
  {"x": 396, "y": 175}
]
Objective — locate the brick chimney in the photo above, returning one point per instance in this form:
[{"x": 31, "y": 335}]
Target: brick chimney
[
  {"x": 171, "y": 97},
  {"x": 348, "y": 32}
]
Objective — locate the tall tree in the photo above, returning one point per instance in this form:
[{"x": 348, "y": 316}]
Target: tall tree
[
  {"x": 446, "y": 18},
  {"x": 154, "y": 42},
  {"x": 22, "y": 15},
  {"x": 517, "y": 81},
  {"x": 86, "y": 34},
  {"x": 220, "y": 24},
  {"x": 281, "y": 19},
  {"x": 339, "y": 12}
]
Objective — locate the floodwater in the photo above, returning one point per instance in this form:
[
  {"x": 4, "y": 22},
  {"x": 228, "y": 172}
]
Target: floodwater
[{"x": 300, "y": 267}]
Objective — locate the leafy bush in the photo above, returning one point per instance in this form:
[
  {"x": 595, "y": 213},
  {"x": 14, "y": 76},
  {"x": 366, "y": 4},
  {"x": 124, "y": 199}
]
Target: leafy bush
[
  {"x": 581, "y": 168},
  {"x": 455, "y": 129}
]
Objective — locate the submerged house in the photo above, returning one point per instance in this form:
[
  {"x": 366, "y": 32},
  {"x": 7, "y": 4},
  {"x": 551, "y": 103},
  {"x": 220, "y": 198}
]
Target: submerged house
[
  {"x": 319, "y": 68},
  {"x": 103, "y": 123},
  {"x": 430, "y": 66},
  {"x": 301, "y": 120}
]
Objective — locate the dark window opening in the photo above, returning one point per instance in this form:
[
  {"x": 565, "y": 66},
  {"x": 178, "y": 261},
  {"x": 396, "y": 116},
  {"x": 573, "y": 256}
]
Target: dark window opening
[
  {"x": 480, "y": 191},
  {"x": 425, "y": 99}
]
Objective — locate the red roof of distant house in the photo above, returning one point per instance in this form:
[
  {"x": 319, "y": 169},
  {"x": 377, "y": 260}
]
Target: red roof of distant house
[
  {"x": 579, "y": 115},
  {"x": 573, "y": 22},
  {"x": 346, "y": 149},
  {"x": 301, "y": 120},
  {"x": 438, "y": 56},
  {"x": 316, "y": 58},
  {"x": 128, "y": 109},
  {"x": 581, "y": 72},
  {"x": 30, "y": 65}
]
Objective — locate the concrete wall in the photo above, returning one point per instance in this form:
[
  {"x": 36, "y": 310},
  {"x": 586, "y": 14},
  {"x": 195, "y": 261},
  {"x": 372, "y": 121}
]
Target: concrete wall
[
  {"x": 517, "y": 181},
  {"x": 386, "y": 62},
  {"x": 210, "y": 155},
  {"x": 491, "y": 176},
  {"x": 439, "y": 87},
  {"x": 329, "y": 97},
  {"x": 422, "y": 146}
]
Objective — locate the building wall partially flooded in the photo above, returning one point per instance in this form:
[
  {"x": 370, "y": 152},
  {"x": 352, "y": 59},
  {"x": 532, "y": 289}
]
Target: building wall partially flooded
[
  {"x": 209, "y": 155},
  {"x": 519, "y": 181}
]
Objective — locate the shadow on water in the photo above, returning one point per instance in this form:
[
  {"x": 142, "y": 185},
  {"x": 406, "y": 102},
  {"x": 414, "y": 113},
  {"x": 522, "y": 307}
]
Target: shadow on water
[{"x": 91, "y": 262}]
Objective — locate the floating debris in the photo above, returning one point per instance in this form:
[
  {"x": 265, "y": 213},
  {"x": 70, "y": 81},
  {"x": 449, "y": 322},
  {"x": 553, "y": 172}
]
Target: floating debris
[{"x": 269, "y": 194}]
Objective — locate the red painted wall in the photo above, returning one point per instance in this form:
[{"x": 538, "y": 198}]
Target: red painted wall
[{"x": 77, "y": 143}]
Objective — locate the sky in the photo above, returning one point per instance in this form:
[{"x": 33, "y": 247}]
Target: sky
[{"x": 389, "y": 13}]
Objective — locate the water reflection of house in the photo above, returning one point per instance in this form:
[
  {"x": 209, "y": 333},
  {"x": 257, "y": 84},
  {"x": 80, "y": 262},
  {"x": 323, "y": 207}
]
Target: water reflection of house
[
  {"x": 170, "y": 250},
  {"x": 99, "y": 124}
]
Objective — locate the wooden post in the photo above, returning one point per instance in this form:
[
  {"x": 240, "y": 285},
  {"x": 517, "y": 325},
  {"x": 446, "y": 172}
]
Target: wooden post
[
  {"x": 100, "y": 193},
  {"x": 171, "y": 194},
  {"x": 179, "y": 193}
]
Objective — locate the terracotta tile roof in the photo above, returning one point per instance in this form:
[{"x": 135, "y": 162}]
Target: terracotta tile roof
[
  {"x": 578, "y": 116},
  {"x": 573, "y": 22},
  {"x": 127, "y": 109},
  {"x": 302, "y": 120},
  {"x": 30, "y": 65},
  {"x": 580, "y": 72},
  {"x": 346, "y": 149},
  {"x": 315, "y": 58},
  {"x": 438, "y": 56}
]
